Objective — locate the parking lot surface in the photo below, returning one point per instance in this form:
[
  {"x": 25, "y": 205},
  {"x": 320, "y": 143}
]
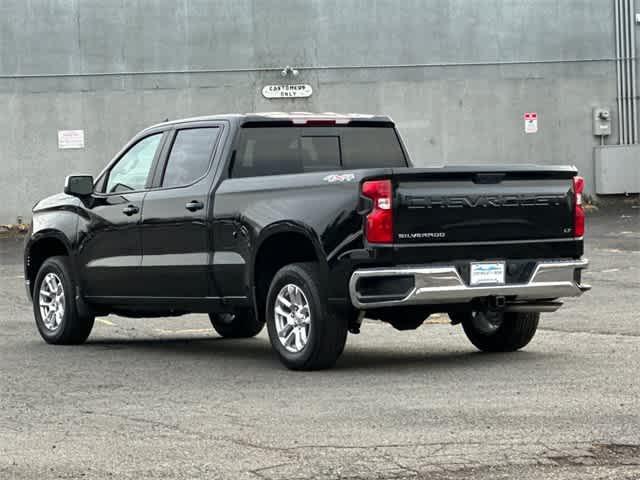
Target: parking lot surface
[{"x": 167, "y": 398}]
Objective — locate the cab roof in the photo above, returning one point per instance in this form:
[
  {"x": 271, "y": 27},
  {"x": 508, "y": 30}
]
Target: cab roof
[{"x": 293, "y": 118}]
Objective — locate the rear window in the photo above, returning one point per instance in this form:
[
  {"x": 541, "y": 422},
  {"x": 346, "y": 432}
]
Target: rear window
[
  {"x": 371, "y": 148},
  {"x": 266, "y": 151}
]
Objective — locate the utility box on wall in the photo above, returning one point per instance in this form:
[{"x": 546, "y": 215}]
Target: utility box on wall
[
  {"x": 617, "y": 169},
  {"x": 601, "y": 122}
]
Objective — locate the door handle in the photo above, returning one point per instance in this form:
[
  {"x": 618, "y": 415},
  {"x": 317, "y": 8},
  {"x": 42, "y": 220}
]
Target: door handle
[
  {"x": 194, "y": 205},
  {"x": 130, "y": 210}
]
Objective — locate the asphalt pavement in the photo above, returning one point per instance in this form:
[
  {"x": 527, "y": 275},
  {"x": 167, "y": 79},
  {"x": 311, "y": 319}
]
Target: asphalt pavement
[{"x": 167, "y": 398}]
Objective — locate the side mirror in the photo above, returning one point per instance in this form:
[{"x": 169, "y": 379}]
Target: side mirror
[{"x": 78, "y": 185}]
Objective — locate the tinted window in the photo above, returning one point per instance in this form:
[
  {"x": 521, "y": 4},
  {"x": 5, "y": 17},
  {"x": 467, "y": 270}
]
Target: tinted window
[
  {"x": 320, "y": 153},
  {"x": 267, "y": 151},
  {"x": 366, "y": 147},
  {"x": 190, "y": 156},
  {"x": 282, "y": 150},
  {"x": 132, "y": 170}
]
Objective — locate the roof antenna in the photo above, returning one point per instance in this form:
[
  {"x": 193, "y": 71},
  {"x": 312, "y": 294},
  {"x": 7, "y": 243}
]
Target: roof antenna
[{"x": 166, "y": 119}]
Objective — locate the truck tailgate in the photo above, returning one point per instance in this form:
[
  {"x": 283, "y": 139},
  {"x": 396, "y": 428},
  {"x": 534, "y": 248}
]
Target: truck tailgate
[{"x": 466, "y": 205}]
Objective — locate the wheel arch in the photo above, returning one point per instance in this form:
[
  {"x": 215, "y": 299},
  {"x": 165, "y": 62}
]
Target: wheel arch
[
  {"x": 43, "y": 245},
  {"x": 278, "y": 245}
]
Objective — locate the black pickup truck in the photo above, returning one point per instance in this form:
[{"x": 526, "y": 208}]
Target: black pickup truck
[{"x": 305, "y": 222}]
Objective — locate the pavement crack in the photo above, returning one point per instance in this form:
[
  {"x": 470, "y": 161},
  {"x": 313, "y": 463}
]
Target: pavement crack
[
  {"x": 402, "y": 467},
  {"x": 583, "y": 332},
  {"x": 246, "y": 443},
  {"x": 258, "y": 471},
  {"x": 156, "y": 423},
  {"x": 385, "y": 445}
]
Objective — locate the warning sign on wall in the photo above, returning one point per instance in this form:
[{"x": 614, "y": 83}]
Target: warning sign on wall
[
  {"x": 70, "y": 139},
  {"x": 530, "y": 122}
]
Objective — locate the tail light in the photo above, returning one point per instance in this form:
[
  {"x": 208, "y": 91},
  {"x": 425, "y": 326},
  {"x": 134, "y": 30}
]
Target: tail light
[
  {"x": 578, "y": 213},
  {"x": 379, "y": 226}
]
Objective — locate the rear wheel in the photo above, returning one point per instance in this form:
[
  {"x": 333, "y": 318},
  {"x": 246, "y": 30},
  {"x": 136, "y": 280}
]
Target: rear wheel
[
  {"x": 54, "y": 305},
  {"x": 500, "y": 331},
  {"x": 406, "y": 318},
  {"x": 304, "y": 331},
  {"x": 239, "y": 324}
]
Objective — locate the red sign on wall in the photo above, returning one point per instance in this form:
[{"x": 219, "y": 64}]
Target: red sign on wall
[{"x": 530, "y": 122}]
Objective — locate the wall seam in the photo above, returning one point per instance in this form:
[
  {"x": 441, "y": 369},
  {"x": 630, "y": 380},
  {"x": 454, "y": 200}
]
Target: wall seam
[{"x": 319, "y": 67}]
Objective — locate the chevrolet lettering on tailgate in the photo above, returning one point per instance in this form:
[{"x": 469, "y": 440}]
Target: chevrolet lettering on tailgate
[{"x": 414, "y": 201}]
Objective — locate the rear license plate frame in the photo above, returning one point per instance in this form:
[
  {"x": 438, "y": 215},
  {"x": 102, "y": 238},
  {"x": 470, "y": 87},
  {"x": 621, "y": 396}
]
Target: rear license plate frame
[{"x": 487, "y": 273}]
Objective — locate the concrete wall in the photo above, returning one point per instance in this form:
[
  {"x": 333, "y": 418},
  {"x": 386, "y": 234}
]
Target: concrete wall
[{"x": 59, "y": 59}]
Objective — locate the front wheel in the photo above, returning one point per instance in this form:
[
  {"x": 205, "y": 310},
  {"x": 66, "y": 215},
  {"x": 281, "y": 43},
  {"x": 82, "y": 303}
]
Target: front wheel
[
  {"x": 57, "y": 317},
  {"x": 304, "y": 331},
  {"x": 500, "y": 331}
]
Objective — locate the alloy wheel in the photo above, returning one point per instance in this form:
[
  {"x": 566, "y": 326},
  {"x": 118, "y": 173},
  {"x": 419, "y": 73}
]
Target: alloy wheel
[
  {"x": 292, "y": 318},
  {"x": 51, "y": 301}
]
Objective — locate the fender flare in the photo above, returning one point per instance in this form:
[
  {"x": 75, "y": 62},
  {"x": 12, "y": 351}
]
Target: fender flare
[
  {"x": 48, "y": 234},
  {"x": 285, "y": 226}
]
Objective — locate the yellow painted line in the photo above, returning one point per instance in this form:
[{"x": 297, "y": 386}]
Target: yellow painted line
[
  {"x": 610, "y": 270},
  {"x": 186, "y": 330},
  {"x": 438, "y": 319},
  {"x": 106, "y": 322}
]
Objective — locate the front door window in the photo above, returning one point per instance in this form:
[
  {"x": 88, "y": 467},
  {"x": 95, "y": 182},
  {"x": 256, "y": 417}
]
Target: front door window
[{"x": 132, "y": 170}]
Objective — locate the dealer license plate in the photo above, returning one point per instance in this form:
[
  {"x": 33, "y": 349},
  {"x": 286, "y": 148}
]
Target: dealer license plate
[{"x": 487, "y": 273}]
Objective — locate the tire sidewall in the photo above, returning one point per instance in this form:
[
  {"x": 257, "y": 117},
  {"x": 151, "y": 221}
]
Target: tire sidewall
[
  {"x": 243, "y": 325},
  {"x": 300, "y": 278},
  {"x": 222, "y": 324},
  {"x": 483, "y": 340},
  {"x": 53, "y": 265},
  {"x": 508, "y": 337}
]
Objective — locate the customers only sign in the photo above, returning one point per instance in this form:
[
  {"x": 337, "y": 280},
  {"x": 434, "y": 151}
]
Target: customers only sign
[{"x": 300, "y": 90}]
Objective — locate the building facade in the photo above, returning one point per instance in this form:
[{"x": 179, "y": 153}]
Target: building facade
[{"x": 457, "y": 76}]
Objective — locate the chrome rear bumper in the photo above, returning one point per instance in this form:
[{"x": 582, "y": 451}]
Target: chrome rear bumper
[{"x": 443, "y": 284}]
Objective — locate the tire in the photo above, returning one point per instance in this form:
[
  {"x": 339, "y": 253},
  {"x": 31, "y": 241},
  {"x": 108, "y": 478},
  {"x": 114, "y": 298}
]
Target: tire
[
  {"x": 509, "y": 331},
  {"x": 68, "y": 327},
  {"x": 239, "y": 324},
  {"x": 405, "y": 324},
  {"x": 401, "y": 318},
  {"x": 407, "y": 319},
  {"x": 318, "y": 336}
]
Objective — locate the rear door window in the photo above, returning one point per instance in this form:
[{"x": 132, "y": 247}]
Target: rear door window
[{"x": 190, "y": 156}]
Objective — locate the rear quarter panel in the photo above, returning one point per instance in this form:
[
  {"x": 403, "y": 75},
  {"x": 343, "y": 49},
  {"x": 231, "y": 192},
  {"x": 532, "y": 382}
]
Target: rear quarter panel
[{"x": 323, "y": 206}]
